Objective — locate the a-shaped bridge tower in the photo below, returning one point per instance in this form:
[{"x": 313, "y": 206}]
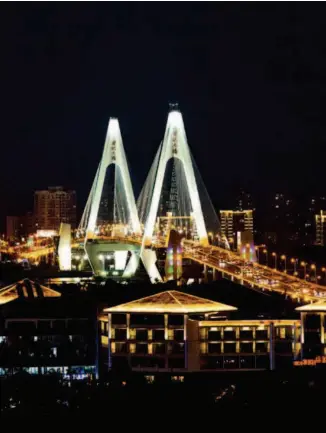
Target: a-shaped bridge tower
[
  {"x": 174, "y": 195},
  {"x": 110, "y": 223}
]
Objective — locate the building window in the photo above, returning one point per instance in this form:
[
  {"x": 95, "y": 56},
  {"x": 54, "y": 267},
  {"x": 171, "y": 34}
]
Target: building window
[
  {"x": 176, "y": 319},
  {"x": 142, "y": 348},
  {"x": 245, "y": 347},
  {"x": 147, "y": 319},
  {"x": 261, "y": 334},
  {"x": 214, "y": 347},
  {"x": 159, "y": 348},
  {"x": 214, "y": 335},
  {"x": 229, "y": 334},
  {"x": 246, "y": 333},
  {"x": 177, "y": 378},
  {"x": 120, "y": 348},
  {"x": 178, "y": 334},
  {"x": 118, "y": 319},
  {"x": 150, "y": 379},
  {"x": 229, "y": 347},
  {"x": 158, "y": 334},
  {"x": 120, "y": 334},
  {"x": 141, "y": 334}
]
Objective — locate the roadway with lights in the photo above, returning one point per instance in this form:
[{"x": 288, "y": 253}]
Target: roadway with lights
[
  {"x": 252, "y": 274},
  {"x": 229, "y": 263}
]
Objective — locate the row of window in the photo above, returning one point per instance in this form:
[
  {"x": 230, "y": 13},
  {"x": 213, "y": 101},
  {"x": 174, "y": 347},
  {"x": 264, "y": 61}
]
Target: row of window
[
  {"x": 120, "y": 334},
  {"x": 147, "y": 319},
  {"x": 245, "y": 334},
  {"x": 47, "y": 325},
  {"x": 147, "y": 349}
]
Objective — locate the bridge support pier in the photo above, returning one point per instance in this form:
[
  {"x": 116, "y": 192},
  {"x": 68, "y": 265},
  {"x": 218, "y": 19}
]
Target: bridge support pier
[
  {"x": 214, "y": 274},
  {"x": 205, "y": 274}
]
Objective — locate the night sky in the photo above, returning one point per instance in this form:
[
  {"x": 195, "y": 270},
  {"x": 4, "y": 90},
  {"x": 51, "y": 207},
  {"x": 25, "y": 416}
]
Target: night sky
[{"x": 250, "y": 80}]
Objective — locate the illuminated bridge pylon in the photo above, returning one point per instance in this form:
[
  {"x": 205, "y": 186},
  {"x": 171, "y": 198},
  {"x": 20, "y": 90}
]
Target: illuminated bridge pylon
[
  {"x": 174, "y": 195},
  {"x": 184, "y": 197},
  {"x": 110, "y": 217}
]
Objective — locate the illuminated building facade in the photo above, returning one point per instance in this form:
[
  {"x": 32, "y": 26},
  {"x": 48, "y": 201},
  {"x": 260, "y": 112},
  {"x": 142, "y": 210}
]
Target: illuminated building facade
[
  {"x": 313, "y": 337},
  {"x": 321, "y": 228},
  {"x": 53, "y": 207},
  {"x": 234, "y": 222},
  {"x": 40, "y": 333},
  {"x": 177, "y": 332}
]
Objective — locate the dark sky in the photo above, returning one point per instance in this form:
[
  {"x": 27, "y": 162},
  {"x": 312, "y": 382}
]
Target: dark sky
[{"x": 250, "y": 80}]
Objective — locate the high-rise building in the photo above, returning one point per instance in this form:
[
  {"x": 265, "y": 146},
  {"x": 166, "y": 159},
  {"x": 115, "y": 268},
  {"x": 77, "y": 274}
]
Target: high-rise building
[
  {"x": 234, "y": 221},
  {"x": 13, "y": 227},
  {"x": 321, "y": 228},
  {"x": 54, "y": 206},
  {"x": 20, "y": 226}
]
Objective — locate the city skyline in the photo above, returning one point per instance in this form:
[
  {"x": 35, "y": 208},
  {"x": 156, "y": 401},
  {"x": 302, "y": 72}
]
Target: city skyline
[{"x": 256, "y": 98}]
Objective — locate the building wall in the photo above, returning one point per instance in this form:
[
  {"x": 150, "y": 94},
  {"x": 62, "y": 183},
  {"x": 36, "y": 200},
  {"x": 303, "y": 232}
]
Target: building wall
[
  {"x": 314, "y": 334},
  {"x": 200, "y": 345},
  {"x": 54, "y": 206},
  {"x": 67, "y": 346},
  {"x": 249, "y": 344},
  {"x": 321, "y": 228},
  {"x": 233, "y": 222},
  {"x": 13, "y": 227}
]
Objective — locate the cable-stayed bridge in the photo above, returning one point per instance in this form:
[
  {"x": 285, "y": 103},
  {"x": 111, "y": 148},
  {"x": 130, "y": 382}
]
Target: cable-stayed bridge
[{"x": 173, "y": 214}]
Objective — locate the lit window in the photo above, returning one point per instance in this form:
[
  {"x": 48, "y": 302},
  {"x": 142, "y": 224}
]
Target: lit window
[
  {"x": 150, "y": 379},
  {"x": 177, "y": 378}
]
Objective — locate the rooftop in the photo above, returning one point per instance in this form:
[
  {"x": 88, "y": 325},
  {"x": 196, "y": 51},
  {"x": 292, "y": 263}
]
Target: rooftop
[
  {"x": 171, "y": 301},
  {"x": 316, "y": 306},
  {"x": 26, "y": 289}
]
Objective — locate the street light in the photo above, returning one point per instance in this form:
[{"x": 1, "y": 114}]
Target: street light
[
  {"x": 323, "y": 269},
  {"x": 294, "y": 262},
  {"x": 304, "y": 265},
  {"x": 265, "y": 251},
  {"x": 283, "y": 257},
  {"x": 275, "y": 256},
  {"x": 313, "y": 268},
  {"x": 257, "y": 250}
]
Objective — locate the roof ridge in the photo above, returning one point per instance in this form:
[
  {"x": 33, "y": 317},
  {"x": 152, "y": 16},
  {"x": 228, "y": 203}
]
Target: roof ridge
[{"x": 170, "y": 292}]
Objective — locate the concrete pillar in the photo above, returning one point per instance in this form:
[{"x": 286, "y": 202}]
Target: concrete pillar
[
  {"x": 128, "y": 325},
  {"x": 205, "y": 274},
  {"x": 271, "y": 347},
  {"x": 322, "y": 329},
  {"x": 109, "y": 340},
  {"x": 214, "y": 274}
]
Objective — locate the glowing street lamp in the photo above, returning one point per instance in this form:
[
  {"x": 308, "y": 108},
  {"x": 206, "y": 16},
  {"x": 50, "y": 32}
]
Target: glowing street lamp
[
  {"x": 313, "y": 268},
  {"x": 265, "y": 251},
  {"x": 294, "y": 262},
  {"x": 257, "y": 251},
  {"x": 323, "y": 269},
  {"x": 283, "y": 257},
  {"x": 275, "y": 257},
  {"x": 304, "y": 265}
]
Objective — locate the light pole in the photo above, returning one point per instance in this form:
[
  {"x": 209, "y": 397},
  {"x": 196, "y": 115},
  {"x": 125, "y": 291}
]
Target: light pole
[
  {"x": 304, "y": 265},
  {"x": 323, "y": 269},
  {"x": 275, "y": 257},
  {"x": 265, "y": 251},
  {"x": 294, "y": 262},
  {"x": 283, "y": 257},
  {"x": 257, "y": 251},
  {"x": 313, "y": 268}
]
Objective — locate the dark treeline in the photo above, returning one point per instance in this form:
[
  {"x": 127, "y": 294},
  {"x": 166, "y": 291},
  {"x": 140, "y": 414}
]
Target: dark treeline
[{"x": 257, "y": 402}]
